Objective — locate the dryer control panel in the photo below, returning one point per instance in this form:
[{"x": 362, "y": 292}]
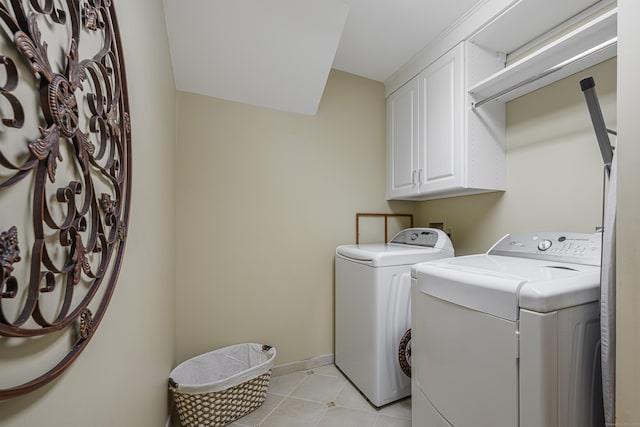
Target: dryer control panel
[{"x": 576, "y": 248}]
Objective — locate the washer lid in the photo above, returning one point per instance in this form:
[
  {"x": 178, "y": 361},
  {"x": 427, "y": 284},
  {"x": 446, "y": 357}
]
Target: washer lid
[
  {"x": 408, "y": 247},
  {"x": 391, "y": 254},
  {"x": 501, "y": 285}
]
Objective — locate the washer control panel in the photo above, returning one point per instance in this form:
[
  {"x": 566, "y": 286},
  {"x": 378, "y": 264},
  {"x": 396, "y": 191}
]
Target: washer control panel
[
  {"x": 417, "y": 237},
  {"x": 577, "y": 248}
]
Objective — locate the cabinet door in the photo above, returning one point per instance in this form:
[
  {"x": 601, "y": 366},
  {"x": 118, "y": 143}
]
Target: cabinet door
[
  {"x": 441, "y": 124},
  {"x": 402, "y": 141}
]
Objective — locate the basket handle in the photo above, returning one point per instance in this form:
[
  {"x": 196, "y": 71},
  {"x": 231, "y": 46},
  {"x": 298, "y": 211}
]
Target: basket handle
[
  {"x": 173, "y": 384},
  {"x": 266, "y": 347}
]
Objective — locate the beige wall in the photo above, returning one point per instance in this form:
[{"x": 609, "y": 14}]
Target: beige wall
[
  {"x": 554, "y": 169},
  {"x": 264, "y": 197},
  {"x": 628, "y": 279},
  {"x": 120, "y": 378}
]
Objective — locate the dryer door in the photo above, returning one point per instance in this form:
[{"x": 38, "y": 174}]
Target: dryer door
[{"x": 465, "y": 362}]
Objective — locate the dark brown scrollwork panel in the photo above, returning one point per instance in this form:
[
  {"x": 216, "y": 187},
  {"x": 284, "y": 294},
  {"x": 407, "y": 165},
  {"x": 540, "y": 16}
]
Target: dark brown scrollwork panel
[{"x": 65, "y": 179}]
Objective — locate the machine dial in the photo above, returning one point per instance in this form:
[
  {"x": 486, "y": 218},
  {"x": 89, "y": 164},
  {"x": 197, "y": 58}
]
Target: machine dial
[{"x": 544, "y": 245}]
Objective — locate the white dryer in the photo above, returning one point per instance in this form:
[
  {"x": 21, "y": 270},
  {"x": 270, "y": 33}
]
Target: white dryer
[
  {"x": 372, "y": 309},
  {"x": 509, "y": 338}
]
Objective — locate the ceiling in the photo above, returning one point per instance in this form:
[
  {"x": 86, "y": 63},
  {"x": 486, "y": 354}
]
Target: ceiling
[{"x": 278, "y": 53}]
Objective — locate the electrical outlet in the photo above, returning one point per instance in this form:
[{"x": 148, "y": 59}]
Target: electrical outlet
[{"x": 440, "y": 225}]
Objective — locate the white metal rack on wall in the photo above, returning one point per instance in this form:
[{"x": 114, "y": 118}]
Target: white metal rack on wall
[{"x": 568, "y": 49}]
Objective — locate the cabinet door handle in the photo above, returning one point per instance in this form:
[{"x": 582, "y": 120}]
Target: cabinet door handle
[
  {"x": 420, "y": 177},
  {"x": 413, "y": 178}
]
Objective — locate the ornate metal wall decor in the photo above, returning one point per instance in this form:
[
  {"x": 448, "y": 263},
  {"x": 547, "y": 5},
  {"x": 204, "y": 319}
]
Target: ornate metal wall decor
[{"x": 65, "y": 177}]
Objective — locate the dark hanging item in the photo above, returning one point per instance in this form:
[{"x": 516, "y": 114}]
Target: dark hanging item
[
  {"x": 608, "y": 271},
  {"x": 588, "y": 87},
  {"x": 404, "y": 353},
  {"x": 63, "y": 76}
]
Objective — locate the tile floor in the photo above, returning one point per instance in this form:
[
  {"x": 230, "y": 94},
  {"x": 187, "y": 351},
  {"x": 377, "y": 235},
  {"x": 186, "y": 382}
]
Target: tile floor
[{"x": 322, "y": 397}]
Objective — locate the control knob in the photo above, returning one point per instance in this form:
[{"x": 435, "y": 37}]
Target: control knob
[{"x": 544, "y": 245}]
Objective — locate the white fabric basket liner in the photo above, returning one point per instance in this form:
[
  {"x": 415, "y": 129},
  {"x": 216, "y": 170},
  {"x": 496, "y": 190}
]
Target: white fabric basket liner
[{"x": 223, "y": 368}]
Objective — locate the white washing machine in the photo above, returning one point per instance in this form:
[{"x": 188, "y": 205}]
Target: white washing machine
[
  {"x": 509, "y": 338},
  {"x": 372, "y": 309}
]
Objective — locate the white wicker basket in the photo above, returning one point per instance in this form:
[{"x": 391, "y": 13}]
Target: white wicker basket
[{"x": 217, "y": 388}]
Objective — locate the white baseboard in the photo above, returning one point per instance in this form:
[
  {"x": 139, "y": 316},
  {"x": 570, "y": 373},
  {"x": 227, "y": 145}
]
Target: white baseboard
[{"x": 303, "y": 365}]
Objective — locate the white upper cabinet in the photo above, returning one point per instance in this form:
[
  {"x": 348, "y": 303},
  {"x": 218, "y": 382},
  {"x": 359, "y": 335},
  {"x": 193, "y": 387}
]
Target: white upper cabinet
[
  {"x": 440, "y": 126},
  {"x": 402, "y": 140},
  {"x": 437, "y": 146},
  {"x": 446, "y": 107}
]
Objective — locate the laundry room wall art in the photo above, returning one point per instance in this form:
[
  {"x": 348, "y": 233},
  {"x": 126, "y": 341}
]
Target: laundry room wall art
[{"x": 65, "y": 182}]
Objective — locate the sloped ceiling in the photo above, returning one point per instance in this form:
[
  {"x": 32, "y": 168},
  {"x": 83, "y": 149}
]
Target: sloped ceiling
[
  {"x": 382, "y": 35},
  {"x": 278, "y": 53}
]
